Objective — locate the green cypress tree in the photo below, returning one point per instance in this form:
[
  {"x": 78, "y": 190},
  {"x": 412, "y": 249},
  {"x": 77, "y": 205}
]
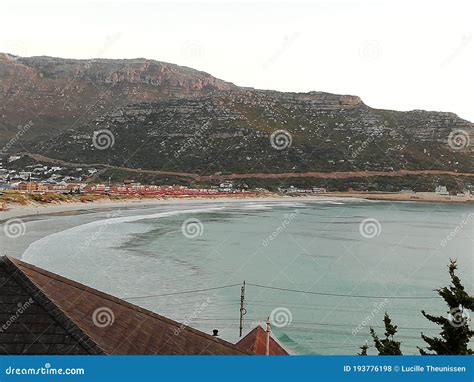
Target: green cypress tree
[
  {"x": 363, "y": 349},
  {"x": 455, "y": 331},
  {"x": 387, "y": 345}
]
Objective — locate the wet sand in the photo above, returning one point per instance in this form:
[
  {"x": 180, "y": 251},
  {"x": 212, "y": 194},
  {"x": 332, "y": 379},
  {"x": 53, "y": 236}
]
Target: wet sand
[{"x": 34, "y": 209}]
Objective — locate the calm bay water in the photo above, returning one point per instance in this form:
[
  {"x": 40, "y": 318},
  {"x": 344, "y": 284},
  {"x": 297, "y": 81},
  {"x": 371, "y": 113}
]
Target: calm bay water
[{"x": 314, "y": 246}]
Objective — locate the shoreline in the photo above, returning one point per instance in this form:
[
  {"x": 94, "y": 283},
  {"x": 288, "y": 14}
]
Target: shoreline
[
  {"x": 15, "y": 210},
  {"x": 418, "y": 197}
]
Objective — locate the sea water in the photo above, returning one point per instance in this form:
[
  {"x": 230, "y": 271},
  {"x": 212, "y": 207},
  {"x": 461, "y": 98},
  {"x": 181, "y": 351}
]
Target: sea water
[{"x": 352, "y": 256}]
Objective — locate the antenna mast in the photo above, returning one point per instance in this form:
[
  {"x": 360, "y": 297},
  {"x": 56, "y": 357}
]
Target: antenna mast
[{"x": 243, "y": 311}]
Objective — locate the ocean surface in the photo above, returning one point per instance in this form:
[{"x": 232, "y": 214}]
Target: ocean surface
[{"x": 323, "y": 271}]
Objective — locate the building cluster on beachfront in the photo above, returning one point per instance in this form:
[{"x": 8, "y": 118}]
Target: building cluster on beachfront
[
  {"x": 12, "y": 172},
  {"x": 298, "y": 190},
  {"x": 129, "y": 187},
  {"x": 43, "y": 178}
]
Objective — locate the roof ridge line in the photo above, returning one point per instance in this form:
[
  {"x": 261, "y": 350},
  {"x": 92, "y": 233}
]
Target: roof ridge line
[
  {"x": 260, "y": 325},
  {"x": 116, "y": 300},
  {"x": 51, "y": 308}
]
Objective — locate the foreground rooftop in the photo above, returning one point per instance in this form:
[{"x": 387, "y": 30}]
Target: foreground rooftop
[{"x": 44, "y": 313}]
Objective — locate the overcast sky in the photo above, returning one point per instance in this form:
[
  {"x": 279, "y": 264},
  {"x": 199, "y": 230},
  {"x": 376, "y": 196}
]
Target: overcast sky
[{"x": 399, "y": 54}]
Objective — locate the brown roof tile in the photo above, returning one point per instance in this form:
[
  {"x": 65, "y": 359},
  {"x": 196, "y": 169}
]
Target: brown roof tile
[
  {"x": 72, "y": 306},
  {"x": 30, "y": 324}
]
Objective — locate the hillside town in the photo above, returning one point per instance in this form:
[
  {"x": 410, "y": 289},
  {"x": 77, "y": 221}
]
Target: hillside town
[{"x": 40, "y": 178}]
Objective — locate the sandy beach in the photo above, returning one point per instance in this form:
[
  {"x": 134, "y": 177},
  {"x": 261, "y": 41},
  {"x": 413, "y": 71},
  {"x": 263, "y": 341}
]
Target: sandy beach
[
  {"x": 429, "y": 197},
  {"x": 14, "y": 210},
  {"x": 19, "y": 210}
]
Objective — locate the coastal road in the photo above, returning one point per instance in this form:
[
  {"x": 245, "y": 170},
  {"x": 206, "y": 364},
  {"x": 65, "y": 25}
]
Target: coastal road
[{"x": 284, "y": 175}]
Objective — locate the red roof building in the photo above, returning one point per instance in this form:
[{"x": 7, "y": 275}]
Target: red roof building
[{"x": 256, "y": 342}]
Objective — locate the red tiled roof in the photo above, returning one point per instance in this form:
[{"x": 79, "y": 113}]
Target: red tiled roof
[
  {"x": 69, "y": 308},
  {"x": 256, "y": 342}
]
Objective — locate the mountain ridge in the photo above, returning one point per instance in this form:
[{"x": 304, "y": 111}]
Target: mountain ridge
[{"x": 141, "y": 60}]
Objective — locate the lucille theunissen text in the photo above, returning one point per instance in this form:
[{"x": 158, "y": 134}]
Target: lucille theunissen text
[
  {"x": 433, "y": 369},
  {"x": 404, "y": 369}
]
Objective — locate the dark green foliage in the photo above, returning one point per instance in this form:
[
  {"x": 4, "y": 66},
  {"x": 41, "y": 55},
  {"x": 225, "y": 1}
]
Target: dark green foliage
[
  {"x": 455, "y": 331},
  {"x": 387, "y": 345},
  {"x": 363, "y": 349}
]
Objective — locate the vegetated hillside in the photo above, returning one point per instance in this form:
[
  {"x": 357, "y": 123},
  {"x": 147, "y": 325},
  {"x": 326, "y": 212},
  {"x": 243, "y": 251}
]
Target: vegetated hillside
[{"x": 231, "y": 133}]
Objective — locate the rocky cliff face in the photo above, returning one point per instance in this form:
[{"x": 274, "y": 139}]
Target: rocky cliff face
[
  {"x": 182, "y": 80},
  {"x": 58, "y": 93}
]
